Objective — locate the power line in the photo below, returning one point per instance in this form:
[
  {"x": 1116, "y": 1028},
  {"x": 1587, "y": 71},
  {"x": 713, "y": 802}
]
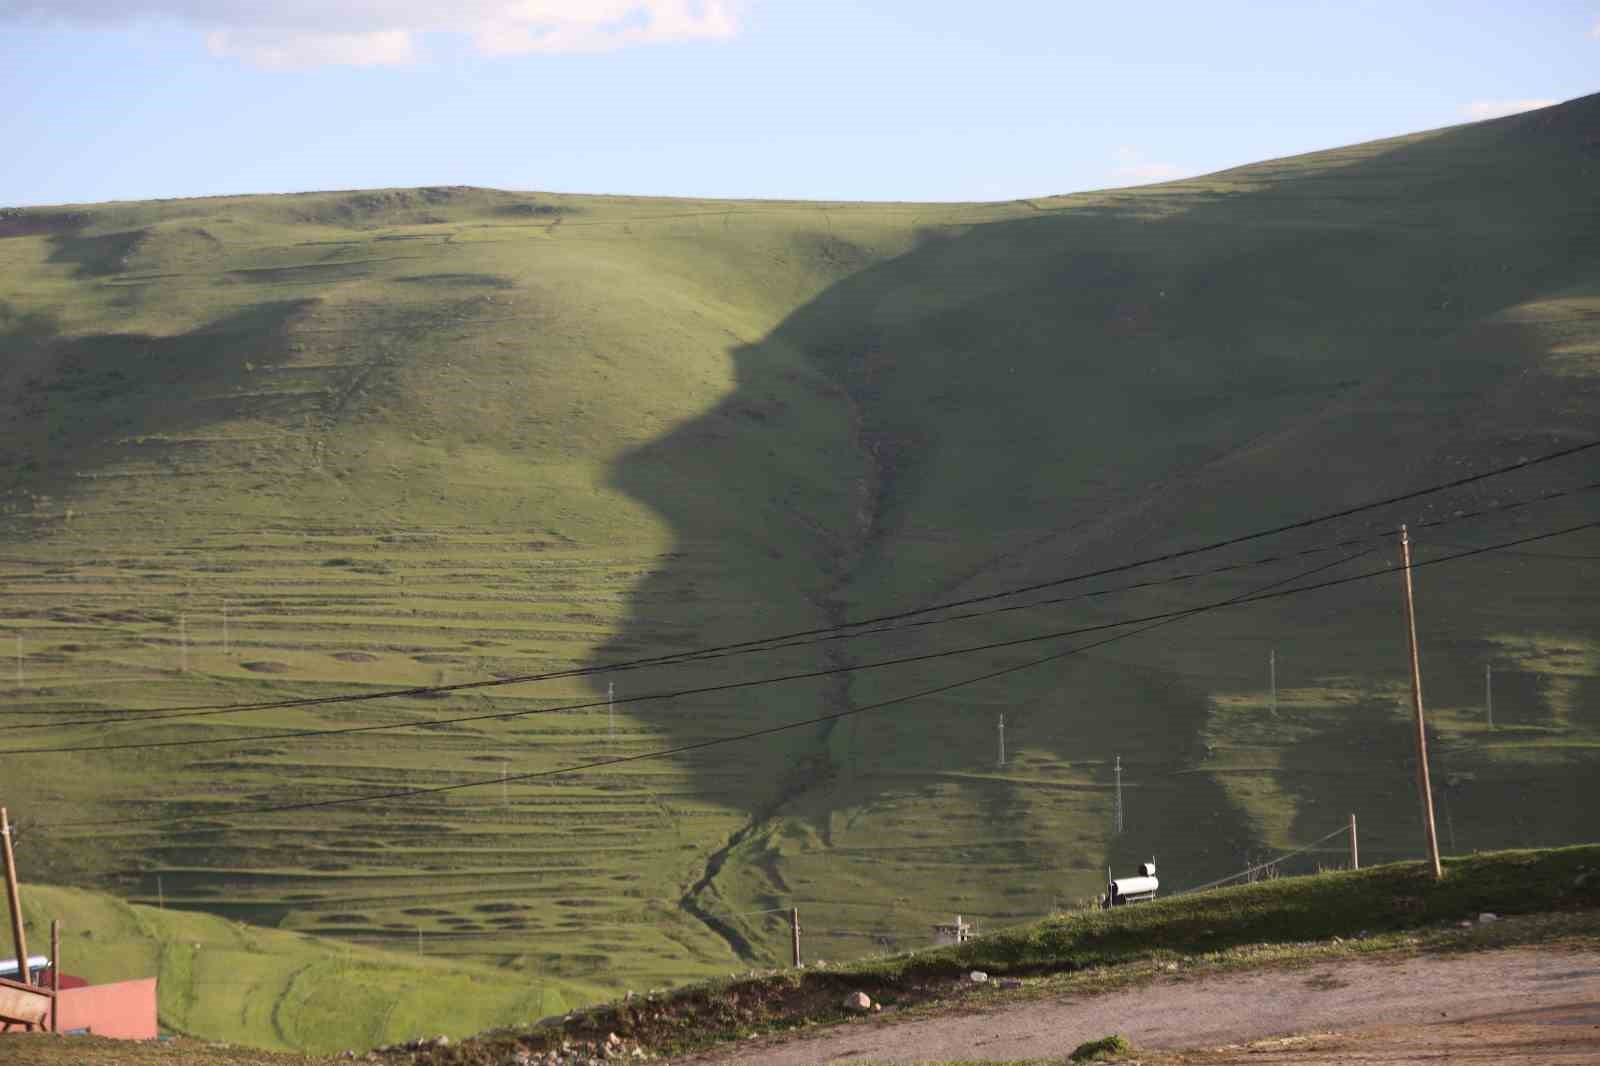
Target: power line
[
  {"x": 714, "y": 742},
  {"x": 1341, "y": 831},
  {"x": 159, "y": 716},
  {"x": 804, "y": 675},
  {"x": 1534, "y": 555},
  {"x": 608, "y": 702},
  {"x": 743, "y": 648},
  {"x": 757, "y": 644}
]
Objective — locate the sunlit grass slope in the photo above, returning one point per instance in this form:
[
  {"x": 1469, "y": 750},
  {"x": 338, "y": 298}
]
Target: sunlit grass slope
[
  {"x": 225, "y": 980},
  {"x": 276, "y": 446},
  {"x": 302, "y": 445}
]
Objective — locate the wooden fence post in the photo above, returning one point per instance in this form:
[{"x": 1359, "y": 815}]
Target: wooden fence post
[
  {"x": 794, "y": 930},
  {"x": 1355, "y": 852}
]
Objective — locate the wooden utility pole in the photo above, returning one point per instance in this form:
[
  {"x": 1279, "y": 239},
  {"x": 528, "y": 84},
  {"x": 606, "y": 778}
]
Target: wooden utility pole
[
  {"x": 1001, "y": 726},
  {"x": 14, "y": 899},
  {"x": 1355, "y": 852},
  {"x": 1424, "y": 785},
  {"x": 794, "y": 933},
  {"x": 55, "y": 975}
]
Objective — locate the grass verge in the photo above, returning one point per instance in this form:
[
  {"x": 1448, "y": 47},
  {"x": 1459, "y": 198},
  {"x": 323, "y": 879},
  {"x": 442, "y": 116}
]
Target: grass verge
[
  {"x": 1547, "y": 897},
  {"x": 1391, "y": 908}
]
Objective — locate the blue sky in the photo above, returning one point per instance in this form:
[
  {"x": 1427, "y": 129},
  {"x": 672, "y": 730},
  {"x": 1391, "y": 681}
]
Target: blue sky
[{"x": 816, "y": 99}]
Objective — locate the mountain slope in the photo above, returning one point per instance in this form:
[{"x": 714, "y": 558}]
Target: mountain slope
[{"x": 434, "y": 435}]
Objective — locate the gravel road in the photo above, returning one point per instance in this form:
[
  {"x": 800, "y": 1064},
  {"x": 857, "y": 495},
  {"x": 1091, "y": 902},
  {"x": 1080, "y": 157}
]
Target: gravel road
[{"x": 1181, "y": 1012}]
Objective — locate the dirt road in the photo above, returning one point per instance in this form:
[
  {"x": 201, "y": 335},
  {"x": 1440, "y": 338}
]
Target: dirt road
[{"x": 1180, "y": 1012}]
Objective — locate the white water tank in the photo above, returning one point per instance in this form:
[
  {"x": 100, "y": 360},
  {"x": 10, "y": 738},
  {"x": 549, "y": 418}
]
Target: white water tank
[{"x": 1125, "y": 887}]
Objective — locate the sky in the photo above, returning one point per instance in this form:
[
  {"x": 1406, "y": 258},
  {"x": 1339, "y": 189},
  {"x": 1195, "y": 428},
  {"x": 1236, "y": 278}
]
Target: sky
[{"x": 805, "y": 99}]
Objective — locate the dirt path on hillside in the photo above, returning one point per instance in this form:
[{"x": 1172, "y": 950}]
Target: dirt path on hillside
[
  {"x": 1553, "y": 1036},
  {"x": 1178, "y": 1012}
]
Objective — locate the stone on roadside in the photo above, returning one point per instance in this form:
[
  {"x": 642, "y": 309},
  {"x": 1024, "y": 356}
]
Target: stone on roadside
[
  {"x": 859, "y": 1002},
  {"x": 978, "y": 977},
  {"x": 1488, "y": 916}
]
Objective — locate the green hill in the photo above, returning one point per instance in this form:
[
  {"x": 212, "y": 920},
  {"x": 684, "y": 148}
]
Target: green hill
[
  {"x": 223, "y": 980},
  {"x": 263, "y": 447}
]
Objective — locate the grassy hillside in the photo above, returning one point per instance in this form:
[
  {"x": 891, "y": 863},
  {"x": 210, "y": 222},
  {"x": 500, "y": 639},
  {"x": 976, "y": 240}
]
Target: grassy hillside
[
  {"x": 1539, "y": 897},
  {"x": 223, "y": 980},
  {"x": 302, "y": 445}
]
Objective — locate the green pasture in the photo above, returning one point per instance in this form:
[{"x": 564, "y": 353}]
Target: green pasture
[
  {"x": 231, "y": 981},
  {"x": 268, "y": 447}
]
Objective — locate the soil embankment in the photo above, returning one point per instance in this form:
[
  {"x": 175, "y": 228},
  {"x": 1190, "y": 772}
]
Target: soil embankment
[{"x": 1400, "y": 1000}]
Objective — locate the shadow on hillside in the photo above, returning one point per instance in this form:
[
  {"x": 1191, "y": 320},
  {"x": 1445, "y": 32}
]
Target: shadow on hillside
[
  {"x": 1265, "y": 350},
  {"x": 73, "y": 403}
]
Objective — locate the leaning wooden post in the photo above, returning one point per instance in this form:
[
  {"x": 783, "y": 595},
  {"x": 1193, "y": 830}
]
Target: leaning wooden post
[
  {"x": 1355, "y": 852},
  {"x": 794, "y": 932},
  {"x": 14, "y": 899},
  {"x": 55, "y": 975},
  {"x": 1424, "y": 784}
]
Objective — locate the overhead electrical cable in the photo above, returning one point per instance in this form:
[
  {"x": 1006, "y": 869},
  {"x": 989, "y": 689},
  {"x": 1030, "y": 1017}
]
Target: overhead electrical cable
[
  {"x": 157, "y": 715},
  {"x": 681, "y": 749},
  {"x": 1258, "y": 597},
  {"x": 843, "y": 631}
]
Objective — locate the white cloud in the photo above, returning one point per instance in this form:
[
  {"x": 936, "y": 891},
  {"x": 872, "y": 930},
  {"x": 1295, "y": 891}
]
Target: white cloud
[
  {"x": 1134, "y": 167},
  {"x": 305, "y": 33},
  {"x": 280, "y": 51},
  {"x": 1482, "y": 109}
]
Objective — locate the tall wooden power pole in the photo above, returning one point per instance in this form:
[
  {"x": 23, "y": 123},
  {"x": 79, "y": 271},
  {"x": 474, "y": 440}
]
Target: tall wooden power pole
[
  {"x": 14, "y": 899},
  {"x": 1424, "y": 785}
]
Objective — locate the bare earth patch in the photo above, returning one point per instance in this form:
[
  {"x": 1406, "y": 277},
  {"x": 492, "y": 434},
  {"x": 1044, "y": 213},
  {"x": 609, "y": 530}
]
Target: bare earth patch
[
  {"x": 1428, "y": 997},
  {"x": 1548, "y": 1036}
]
